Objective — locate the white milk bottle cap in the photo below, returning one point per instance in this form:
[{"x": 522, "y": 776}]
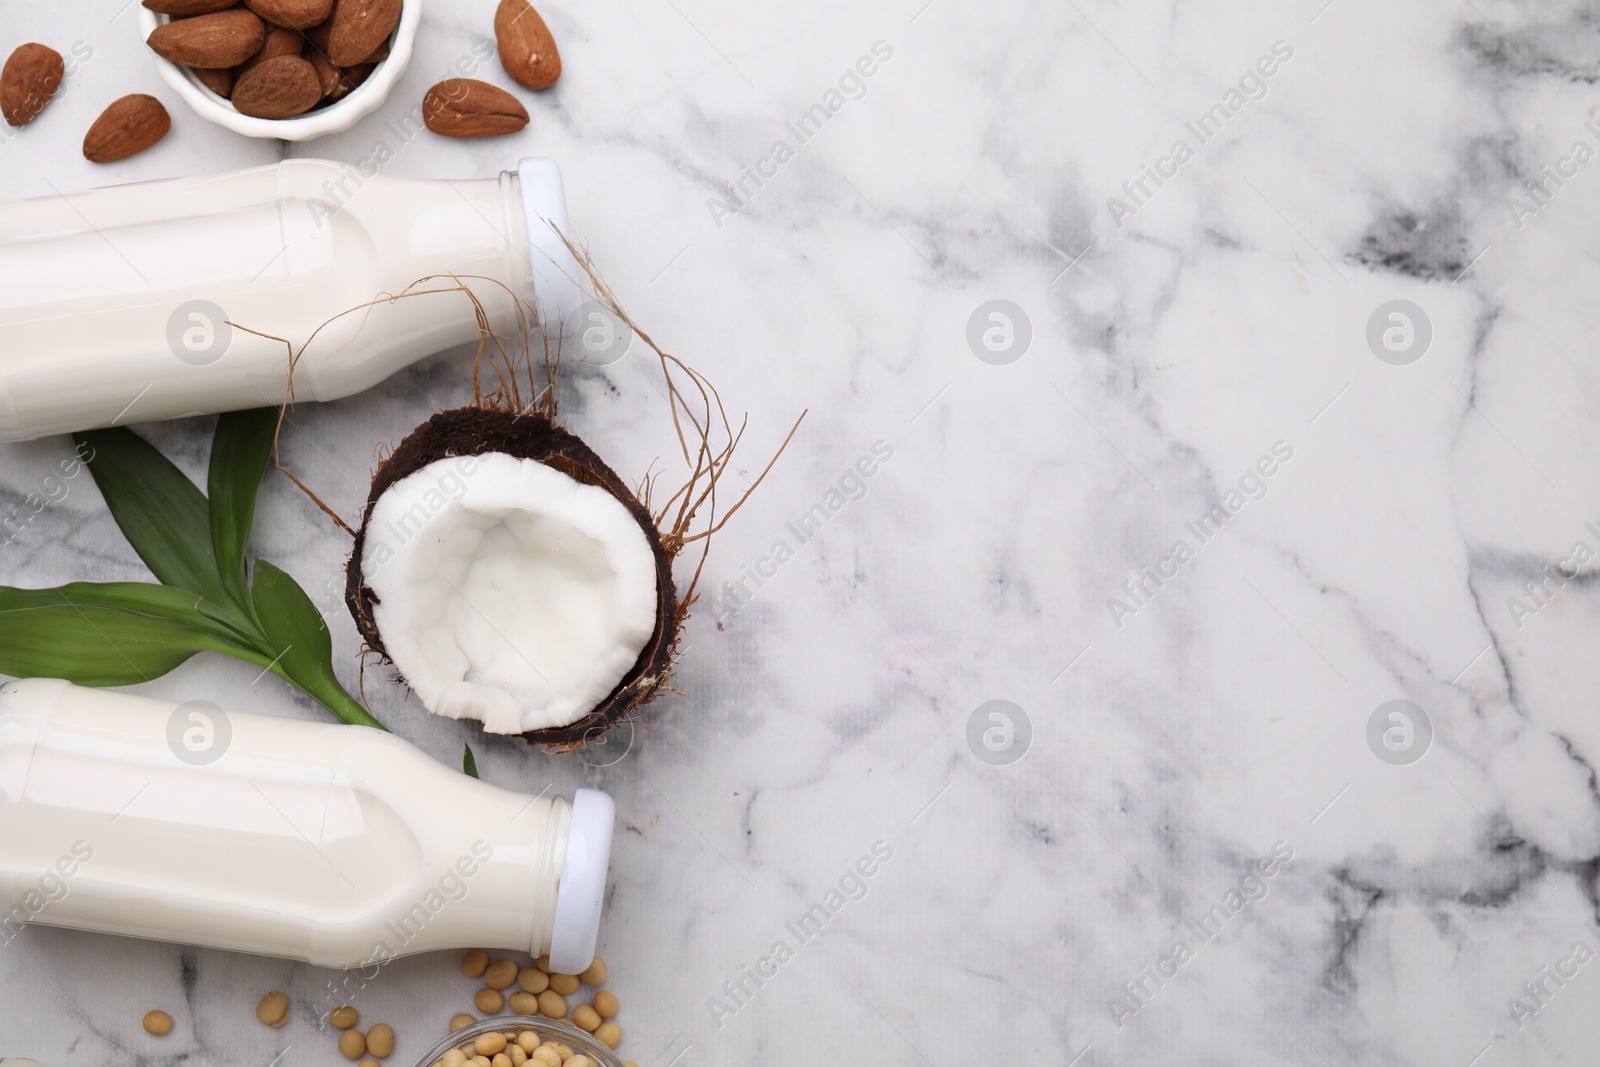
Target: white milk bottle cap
[
  {"x": 582, "y": 891},
  {"x": 555, "y": 269}
]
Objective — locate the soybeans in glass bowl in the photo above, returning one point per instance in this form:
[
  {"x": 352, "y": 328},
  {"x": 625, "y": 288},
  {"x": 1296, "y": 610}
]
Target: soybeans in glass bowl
[{"x": 538, "y": 1041}]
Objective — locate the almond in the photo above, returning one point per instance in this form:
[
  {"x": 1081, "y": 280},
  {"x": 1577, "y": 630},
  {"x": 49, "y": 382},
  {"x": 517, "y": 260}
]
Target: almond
[
  {"x": 359, "y": 27},
  {"x": 527, "y": 50},
  {"x": 277, "y": 88},
  {"x": 293, "y": 14},
  {"x": 31, "y": 76},
  {"x": 318, "y": 36},
  {"x": 129, "y": 126},
  {"x": 354, "y": 76},
  {"x": 222, "y": 39},
  {"x": 278, "y": 42},
  {"x": 333, "y": 82},
  {"x": 186, "y": 8},
  {"x": 463, "y": 107},
  {"x": 218, "y": 81}
]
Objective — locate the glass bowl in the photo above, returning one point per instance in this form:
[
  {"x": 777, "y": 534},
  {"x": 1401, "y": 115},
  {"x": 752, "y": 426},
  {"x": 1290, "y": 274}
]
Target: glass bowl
[{"x": 562, "y": 1031}]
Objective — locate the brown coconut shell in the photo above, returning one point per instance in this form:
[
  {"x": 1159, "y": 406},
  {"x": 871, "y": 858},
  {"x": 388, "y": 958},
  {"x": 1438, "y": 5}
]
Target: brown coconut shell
[{"x": 476, "y": 431}]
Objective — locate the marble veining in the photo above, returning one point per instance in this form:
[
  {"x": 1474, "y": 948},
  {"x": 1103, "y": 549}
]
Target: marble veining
[{"x": 1216, "y": 846}]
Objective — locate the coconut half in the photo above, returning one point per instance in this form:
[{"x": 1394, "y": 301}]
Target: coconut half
[{"x": 511, "y": 577}]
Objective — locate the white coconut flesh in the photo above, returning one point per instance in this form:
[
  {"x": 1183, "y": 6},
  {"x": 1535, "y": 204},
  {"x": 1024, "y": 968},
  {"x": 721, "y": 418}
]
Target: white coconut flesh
[{"x": 508, "y": 591}]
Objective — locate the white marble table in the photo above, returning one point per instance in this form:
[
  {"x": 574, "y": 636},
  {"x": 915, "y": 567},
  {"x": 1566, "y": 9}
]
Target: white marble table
[{"x": 1188, "y": 721}]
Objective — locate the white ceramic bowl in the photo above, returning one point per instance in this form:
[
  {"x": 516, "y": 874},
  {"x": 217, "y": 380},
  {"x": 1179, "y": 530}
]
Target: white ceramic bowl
[{"x": 339, "y": 115}]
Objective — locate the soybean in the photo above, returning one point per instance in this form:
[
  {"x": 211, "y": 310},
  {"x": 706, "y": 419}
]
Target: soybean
[
  {"x": 605, "y": 1004},
  {"x": 524, "y": 1003},
  {"x": 344, "y": 1017},
  {"x": 500, "y": 1060},
  {"x": 489, "y": 1044},
  {"x": 553, "y": 1004},
  {"x": 454, "y": 1058},
  {"x": 273, "y": 1009},
  {"x": 565, "y": 984},
  {"x": 353, "y": 1044},
  {"x": 158, "y": 1023},
  {"x": 585, "y": 1018},
  {"x": 474, "y": 963},
  {"x": 460, "y": 1022},
  {"x": 528, "y": 1040},
  {"x": 489, "y": 1001},
  {"x": 608, "y": 1034},
  {"x": 595, "y": 974},
  {"x": 380, "y": 1040},
  {"x": 501, "y": 974},
  {"x": 547, "y": 1055},
  {"x": 532, "y": 980}
]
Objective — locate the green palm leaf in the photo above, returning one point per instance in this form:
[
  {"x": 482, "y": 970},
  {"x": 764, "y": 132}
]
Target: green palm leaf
[
  {"x": 123, "y": 633},
  {"x": 302, "y": 647},
  {"x": 164, "y": 515},
  {"x": 92, "y": 643},
  {"x": 239, "y": 455},
  {"x": 141, "y": 598}
]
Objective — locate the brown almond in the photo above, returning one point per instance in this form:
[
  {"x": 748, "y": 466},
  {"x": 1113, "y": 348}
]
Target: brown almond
[
  {"x": 293, "y": 14},
  {"x": 31, "y": 76},
  {"x": 464, "y": 107},
  {"x": 357, "y": 74},
  {"x": 527, "y": 50},
  {"x": 127, "y": 127},
  {"x": 185, "y": 8},
  {"x": 218, "y": 81},
  {"x": 337, "y": 82},
  {"x": 333, "y": 82},
  {"x": 359, "y": 27},
  {"x": 277, "y": 88},
  {"x": 222, "y": 39},
  {"x": 278, "y": 42},
  {"x": 317, "y": 36}
]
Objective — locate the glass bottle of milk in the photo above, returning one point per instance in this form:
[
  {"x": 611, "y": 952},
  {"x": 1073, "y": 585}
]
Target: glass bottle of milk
[
  {"x": 342, "y": 846},
  {"x": 175, "y": 297}
]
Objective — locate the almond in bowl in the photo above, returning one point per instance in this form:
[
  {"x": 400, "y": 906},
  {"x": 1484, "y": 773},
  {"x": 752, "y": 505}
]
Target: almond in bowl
[{"x": 291, "y": 69}]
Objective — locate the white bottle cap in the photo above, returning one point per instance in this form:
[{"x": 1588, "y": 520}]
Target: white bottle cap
[
  {"x": 555, "y": 271},
  {"x": 582, "y": 891}
]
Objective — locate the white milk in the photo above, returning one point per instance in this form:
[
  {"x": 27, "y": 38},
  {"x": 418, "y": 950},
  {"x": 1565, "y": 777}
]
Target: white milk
[
  {"x": 133, "y": 303},
  {"x": 339, "y": 845}
]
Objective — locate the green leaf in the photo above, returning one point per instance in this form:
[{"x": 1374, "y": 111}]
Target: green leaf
[
  {"x": 122, "y": 633},
  {"x": 160, "y": 511},
  {"x": 240, "y": 451},
  {"x": 301, "y": 646},
  {"x": 118, "y": 633},
  {"x": 469, "y": 762},
  {"x": 144, "y": 598}
]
